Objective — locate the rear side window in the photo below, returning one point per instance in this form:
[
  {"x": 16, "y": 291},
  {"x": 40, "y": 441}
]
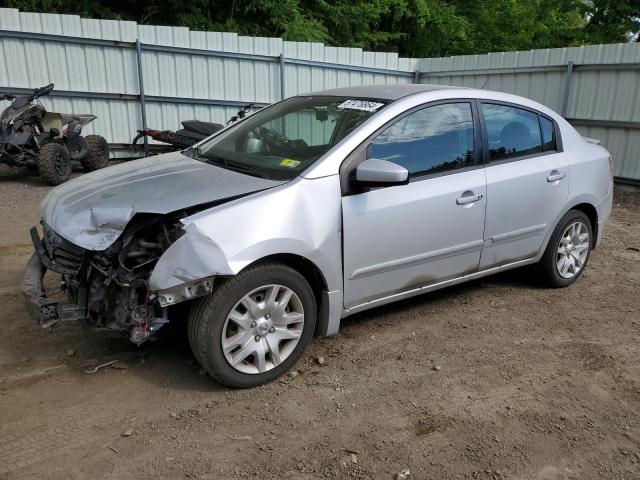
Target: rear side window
[
  {"x": 548, "y": 137},
  {"x": 511, "y": 132},
  {"x": 432, "y": 140}
]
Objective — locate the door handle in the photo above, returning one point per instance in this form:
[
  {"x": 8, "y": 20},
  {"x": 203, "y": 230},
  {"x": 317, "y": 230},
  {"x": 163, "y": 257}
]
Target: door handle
[
  {"x": 555, "y": 176},
  {"x": 469, "y": 197}
]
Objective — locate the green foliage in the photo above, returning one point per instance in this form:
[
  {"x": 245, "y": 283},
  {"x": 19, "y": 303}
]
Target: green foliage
[
  {"x": 503, "y": 25},
  {"x": 611, "y": 20},
  {"x": 415, "y": 28}
]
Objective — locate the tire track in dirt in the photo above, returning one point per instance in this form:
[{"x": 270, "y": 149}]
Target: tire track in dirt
[
  {"x": 25, "y": 442},
  {"x": 19, "y": 450}
]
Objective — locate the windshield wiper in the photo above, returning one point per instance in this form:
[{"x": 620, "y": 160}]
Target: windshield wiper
[
  {"x": 234, "y": 166},
  {"x": 215, "y": 160},
  {"x": 192, "y": 151},
  {"x": 239, "y": 167},
  {"x": 228, "y": 164},
  {"x": 197, "y": 153}
]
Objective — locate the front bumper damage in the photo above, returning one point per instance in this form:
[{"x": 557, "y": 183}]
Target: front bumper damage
[
  {"x": 107, "y": 233},
  {"x": 107, "y": 290},
  {"x": 43, "y": 310}
]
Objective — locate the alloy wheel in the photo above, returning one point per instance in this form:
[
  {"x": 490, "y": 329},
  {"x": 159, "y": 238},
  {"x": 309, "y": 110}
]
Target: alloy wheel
[
  {"x": 262, "y": 329},
  {"x": 573, "y": 250}
]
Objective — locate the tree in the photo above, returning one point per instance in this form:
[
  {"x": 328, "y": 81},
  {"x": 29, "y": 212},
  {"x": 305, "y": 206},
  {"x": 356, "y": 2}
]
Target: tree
[
  {"x": 415, "y": 28},
  {"x": 611, "y": 20},
  {"x": 503, "y": 25}
]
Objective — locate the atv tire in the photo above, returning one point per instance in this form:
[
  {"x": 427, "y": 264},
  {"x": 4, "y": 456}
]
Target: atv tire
[
  {"x": 54, "y": 163},
  {"x": 98, "y": 155}
]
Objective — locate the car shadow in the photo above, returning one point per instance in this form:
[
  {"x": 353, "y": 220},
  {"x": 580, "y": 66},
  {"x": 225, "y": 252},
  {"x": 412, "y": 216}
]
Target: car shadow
[{"x": 167, "y": 360}]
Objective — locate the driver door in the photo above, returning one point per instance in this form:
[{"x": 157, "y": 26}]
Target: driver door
[{"x": 401, "y": 238}]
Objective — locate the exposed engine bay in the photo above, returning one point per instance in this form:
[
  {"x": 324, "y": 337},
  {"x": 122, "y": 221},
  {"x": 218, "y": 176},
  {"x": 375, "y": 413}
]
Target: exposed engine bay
[
  {"x": 109, "y": 289},
  {"x": 120, "y": 240}
]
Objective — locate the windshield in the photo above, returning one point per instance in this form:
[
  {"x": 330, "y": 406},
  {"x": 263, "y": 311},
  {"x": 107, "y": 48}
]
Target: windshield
[{"x": 281, "y": 141}]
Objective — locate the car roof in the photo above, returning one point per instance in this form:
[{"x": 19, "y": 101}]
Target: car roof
[{"x": 383, "y": 92}]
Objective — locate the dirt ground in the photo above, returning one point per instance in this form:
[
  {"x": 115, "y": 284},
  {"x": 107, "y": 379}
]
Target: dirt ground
[{"x": 496, "y": 379}]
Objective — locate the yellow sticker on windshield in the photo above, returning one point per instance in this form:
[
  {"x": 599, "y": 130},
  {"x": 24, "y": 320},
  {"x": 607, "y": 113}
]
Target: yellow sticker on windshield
[{"x": 287, "y": 162}]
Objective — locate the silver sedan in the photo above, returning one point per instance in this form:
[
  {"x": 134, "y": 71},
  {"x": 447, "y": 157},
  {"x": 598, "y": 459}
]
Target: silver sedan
[{"x": 320, "y": 206}]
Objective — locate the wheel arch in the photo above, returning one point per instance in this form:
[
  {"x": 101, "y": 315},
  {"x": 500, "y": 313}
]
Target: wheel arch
[
  {"x": 585, "y": 204},
  {"x": 592, "y": 213},
  {"x": 312, "y": 274}
]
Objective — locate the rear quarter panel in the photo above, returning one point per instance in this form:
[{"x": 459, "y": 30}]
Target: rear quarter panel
[
  {"x": 590, "y": 173},
  {"x": 590, "y": 179}
]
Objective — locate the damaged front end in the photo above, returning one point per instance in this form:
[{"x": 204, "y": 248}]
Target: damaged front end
[
  {"x": 107, "y": 289},
  {"x": 104, "y": 233}
]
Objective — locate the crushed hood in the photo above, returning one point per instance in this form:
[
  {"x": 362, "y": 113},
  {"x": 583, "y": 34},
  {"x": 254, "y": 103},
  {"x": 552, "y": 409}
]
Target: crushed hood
[{"x": 92, "y": 210}]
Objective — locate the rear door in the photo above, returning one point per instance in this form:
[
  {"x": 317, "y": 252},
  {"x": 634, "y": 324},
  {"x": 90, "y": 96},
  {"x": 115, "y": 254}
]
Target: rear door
[
  {"x": 405, "y": 237},
  {"x": 527, "y": 181}
]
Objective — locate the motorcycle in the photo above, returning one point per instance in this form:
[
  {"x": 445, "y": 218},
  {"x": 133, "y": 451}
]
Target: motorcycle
[
  {"x": 192, "y": 132},
  {"x": 47, "y": 142}
]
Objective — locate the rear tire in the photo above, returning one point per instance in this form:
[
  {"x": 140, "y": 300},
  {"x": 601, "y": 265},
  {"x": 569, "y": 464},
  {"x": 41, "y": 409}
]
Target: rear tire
[
  {"x": 260, "y": 343},
  {"x": 54, "y": 163},
  {"x": 98, "y": 156},
  {"x": 568, "y": 250}
]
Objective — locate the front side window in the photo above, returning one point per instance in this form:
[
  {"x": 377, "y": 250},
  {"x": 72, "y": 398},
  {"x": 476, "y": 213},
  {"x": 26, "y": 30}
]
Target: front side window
[
  {"x": 281, "y": 141},
  {"x": 511, "y": 132},
  {"x": 432, "y": 140}
]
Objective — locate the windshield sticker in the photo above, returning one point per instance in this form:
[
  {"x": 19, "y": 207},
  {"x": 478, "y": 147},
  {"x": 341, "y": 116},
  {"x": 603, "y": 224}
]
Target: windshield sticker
[
  {"x": 361, "y": 105},
  {"x": 287, "y": 162}
]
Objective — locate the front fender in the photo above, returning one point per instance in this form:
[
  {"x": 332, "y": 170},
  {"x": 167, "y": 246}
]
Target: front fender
[
  {"x": 192, "y": 257},
  {"x": 301, "y": 218}
]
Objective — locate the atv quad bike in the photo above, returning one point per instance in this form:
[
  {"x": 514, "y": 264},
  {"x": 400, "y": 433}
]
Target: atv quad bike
[{"x": 47, "y": 142}]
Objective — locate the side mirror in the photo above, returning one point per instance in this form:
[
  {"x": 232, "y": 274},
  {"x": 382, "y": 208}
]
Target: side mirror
[{"x": 375, "y": 172}]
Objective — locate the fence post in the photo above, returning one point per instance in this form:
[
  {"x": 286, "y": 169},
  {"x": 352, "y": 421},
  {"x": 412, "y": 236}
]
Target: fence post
[
  {"x": 143, "y": 110},
  {"x": 282, "y": 93},
  {"x": 416, "y": 76},
  {"x": 567, "y": 88}
]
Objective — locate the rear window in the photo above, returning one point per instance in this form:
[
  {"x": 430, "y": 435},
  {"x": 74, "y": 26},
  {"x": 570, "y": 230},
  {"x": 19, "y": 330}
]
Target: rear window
[{"x": 511, "y": 132}]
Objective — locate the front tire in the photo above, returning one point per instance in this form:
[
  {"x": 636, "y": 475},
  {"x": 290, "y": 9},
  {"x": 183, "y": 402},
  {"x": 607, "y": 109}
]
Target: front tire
[
  {"x": 255, "y": 326},
  {"x": 98, "y": 156},
  {"x": 54, "y": 163},
  {"x": 568, "y": 250}
]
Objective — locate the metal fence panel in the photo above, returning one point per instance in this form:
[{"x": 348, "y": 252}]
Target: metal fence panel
[
  {"x": 602, "y": 100},
  {"x": 187, "y": 74}
]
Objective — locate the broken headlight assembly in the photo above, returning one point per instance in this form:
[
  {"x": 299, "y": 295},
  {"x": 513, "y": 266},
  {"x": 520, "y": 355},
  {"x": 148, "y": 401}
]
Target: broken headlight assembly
[{"x": 110, "y": 289}]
